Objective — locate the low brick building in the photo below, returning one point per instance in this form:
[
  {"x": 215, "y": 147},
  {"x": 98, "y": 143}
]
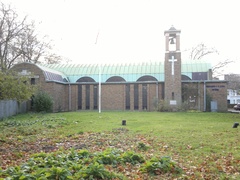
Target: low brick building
[{"x": 171, "y": 85}]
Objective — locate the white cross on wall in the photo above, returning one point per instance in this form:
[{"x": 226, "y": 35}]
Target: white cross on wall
[{"x": 172, "y": 61}]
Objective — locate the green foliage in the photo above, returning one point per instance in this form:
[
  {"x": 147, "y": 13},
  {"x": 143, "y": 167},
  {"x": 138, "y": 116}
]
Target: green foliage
[
  {"x": 142, "y": 146},
  {"x": 60, "y": 165},
  {"x": 184, "y": 106},
  {"x": 163, "y": 106},
  {"x": 96, "y": 171},
  {"x": 13, "y": 86},
  {"x": 160, "y": 166},
  {"x": 31, "y": 127},
  {"x": 132, "y": 158},
  {"x": 70, "y": 165},
  {"x": 42, "y": 102},
  {"x": 16, "y": 123},
  {"x": 109, "y": 156},
  {"x": 83, "y": 154},
  {"x": 58, "y": 173}
]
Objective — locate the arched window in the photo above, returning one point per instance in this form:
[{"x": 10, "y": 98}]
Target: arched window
[
  {"x": 184, "y": 77},
  {"x": 85, "y": 79},
  {"x": 116, "y": 79},
  {"x": 147, "y": 78}
]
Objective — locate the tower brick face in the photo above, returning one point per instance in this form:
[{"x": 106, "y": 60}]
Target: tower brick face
[
  {"x": 173, "y": 78},
  {"x": 172, "y": 69}
]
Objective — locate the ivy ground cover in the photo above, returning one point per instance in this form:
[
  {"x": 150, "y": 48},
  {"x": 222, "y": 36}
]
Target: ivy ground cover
[{"x": 89, "y": 145}]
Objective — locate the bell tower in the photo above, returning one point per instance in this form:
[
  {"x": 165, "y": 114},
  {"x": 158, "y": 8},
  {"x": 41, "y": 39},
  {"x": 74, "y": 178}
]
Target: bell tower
[{"x": 172, "y": 68}]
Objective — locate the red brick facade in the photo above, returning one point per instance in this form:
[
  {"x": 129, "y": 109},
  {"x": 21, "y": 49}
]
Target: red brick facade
[{"x": 113, "y": 95}]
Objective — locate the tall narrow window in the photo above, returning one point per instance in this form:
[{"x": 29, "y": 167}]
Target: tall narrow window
[
  {"x": 173, "y": 96},
  {"x": 32, "y": 83},
  {"x": 79, "y": 96},
  {"x": 144, "y": 96},
  {"x": 87, "y": 96},
  {"x": 95, "y": 97},
  {"x": 127, "y": 96},
  {"x": 136, "y": 94}
]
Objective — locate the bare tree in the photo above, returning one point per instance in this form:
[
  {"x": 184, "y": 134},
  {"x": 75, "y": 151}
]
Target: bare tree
[
  {"x": 233, "y": 81},
  {"x": 53, "y": 58},
  {"x": 31, "y": 48},
  {"x": 201, "y": 50},
  {"x": 19, "y": 41},
  {"x": 217, "y": 70},
  {"x": 10, "y": 29}
]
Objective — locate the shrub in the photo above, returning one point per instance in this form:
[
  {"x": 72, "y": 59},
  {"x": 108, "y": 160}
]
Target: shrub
[
  {"x": 42, "y": 102},
  {"x": 184, "y": 106},
  {"x": 58, "y": 173},
  {"x": 160, "y": 166},
  {"x": 109, "y": 156},
  {"x": 163, "y": 106},
  {"x": 96, "y": 171},
  {"x": 142, "y": 146},
  {"x": 72, "y": 164},
  {"x": 132, "y": 158}
]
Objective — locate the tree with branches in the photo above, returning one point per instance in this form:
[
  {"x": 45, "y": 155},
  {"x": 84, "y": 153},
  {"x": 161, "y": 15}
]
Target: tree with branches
[
  {"x": 201, "y": 50},
  {"x": 233, "y": 81},
  {"x": 19, "y": 41},
  {"x": 14, "y": 86}
]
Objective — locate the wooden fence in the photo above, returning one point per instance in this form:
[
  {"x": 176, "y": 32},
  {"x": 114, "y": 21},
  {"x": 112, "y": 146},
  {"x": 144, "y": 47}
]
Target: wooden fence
[{"x": 11, "y": 107}]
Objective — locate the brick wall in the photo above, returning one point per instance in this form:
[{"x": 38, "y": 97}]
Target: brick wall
[
  {"x": 31, "y": 68},
  {"x": 75, "y": 98},
  {"x": 173, "y": 82},
  {"x": 154, "y": 91},
  {"x": 217, "y": 91},
  {"x": 114, "y": 96},
  {"x": 59, "y": 93}
]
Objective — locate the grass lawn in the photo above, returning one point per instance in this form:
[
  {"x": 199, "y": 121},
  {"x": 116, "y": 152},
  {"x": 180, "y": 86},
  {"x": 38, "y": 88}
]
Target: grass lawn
[{"x": 203, "y": 145}]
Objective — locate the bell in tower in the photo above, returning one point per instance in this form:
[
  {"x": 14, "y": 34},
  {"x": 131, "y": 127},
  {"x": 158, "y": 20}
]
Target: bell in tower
[{"x": 172, "y": 39}]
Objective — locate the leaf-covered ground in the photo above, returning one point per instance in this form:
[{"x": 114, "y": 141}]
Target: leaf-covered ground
[
  {"x": 15, "y": 150},
  {"x": 202, "y": 145}
]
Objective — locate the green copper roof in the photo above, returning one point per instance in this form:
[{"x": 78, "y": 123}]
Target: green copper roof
[
  {"x": 91, "y": 69},
  {"x": 128, "y": 71},
  {"x": 195, "y": 66}
]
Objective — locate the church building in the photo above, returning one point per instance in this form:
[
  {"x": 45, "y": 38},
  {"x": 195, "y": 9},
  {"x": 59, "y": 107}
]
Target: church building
[{"x": 170, "y": 85}]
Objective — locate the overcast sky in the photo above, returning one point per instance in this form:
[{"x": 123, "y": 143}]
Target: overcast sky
[{"x": 133, "y": 30}]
